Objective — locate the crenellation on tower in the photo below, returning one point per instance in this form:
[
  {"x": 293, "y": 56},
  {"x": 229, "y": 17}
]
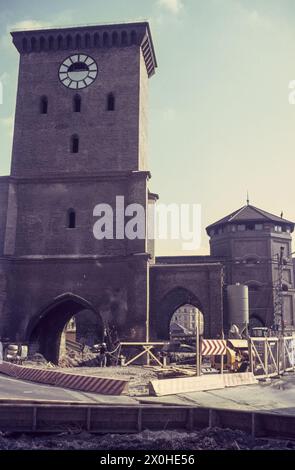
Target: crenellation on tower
[{"x": 89, "y": 37}]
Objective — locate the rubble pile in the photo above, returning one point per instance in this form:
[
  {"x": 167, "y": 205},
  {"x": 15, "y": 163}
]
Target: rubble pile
[
  {"x": 207, "y": 439},
  {"x": 85, "y": 358},
  {"x": 71, "y": 359},
  {"x": 39, "y": 360}
]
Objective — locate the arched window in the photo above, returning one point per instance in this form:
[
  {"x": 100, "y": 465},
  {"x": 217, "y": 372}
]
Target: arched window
[
  {"x": 44, "y": 105},
  {"x": 69, "y": 42},
  {"x": 33, "y": 44},
  {"x": 77, "y": 104},
  {"x": 42, "y": 43},
  {"x": 51, "y": 43},
  {"x": 256, "y": 322},
  {"x": 251, "y": 260},
  {"x": 111, "y": 102},
  {"x": 75, "y": 144},
  {"x": 253, "y": 287},
  {"x": 105, "y": 39},
  {"x": 87, "y": 40},
  {"x": 78, "y": 41},
  {"x": 60, "y": 42},
  {"x": 133, "y": 37},
  {"x": 71, "y": 223},
  {"x": 124, "y": 38},
  {"x": 115, "y": 38},
  {"x": 25, "y": 44},
  {"x": 96, "y": 40}
]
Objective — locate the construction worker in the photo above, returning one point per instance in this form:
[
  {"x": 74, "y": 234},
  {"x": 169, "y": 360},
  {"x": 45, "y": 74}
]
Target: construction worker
[{"x": 102, "y": 358}]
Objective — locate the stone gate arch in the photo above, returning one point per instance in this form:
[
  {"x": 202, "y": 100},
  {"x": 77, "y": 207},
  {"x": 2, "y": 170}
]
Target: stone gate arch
[
  {"x": 169, "y": 303},
  {"x": 45, "y": 329}
]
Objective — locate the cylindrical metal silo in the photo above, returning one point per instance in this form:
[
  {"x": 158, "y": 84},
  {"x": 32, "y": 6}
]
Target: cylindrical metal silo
[{"x": 238, "y": 305}]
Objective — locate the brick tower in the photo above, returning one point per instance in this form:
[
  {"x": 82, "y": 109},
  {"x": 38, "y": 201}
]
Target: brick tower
[
  {"x": 80, "y": 139},
  {"x": 248, "y": 242}
]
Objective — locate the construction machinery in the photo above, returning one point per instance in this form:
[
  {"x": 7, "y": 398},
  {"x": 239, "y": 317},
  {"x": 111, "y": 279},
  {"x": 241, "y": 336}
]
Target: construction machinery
[
  {"x": 15, "y": 353},
  {"x": 236, "y": 358}
]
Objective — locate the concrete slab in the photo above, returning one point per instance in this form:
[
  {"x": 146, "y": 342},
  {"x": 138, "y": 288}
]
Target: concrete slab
[
  {"x": 235, "y": 380},
  {"x": 276, "y": 396},
  {"x": 187, "y": 384},
  {"x": 202, "y": 383}
]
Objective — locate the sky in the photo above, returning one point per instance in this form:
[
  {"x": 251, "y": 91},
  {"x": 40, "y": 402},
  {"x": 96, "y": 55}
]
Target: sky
[{"x": 220, "y": 121}]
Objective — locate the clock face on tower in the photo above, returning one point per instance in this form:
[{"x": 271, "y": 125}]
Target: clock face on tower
[{"x": 78, "y": 71}]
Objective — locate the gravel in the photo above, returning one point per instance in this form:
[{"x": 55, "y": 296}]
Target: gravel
[{"x": 207, "y": 439}]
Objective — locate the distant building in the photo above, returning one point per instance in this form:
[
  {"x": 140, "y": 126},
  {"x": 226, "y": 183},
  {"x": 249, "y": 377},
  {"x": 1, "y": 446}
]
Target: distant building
[
  {"x": 185, "y": 316},
  {"x": 71, "y": 330},
  {"x": 177, "y": 331}
]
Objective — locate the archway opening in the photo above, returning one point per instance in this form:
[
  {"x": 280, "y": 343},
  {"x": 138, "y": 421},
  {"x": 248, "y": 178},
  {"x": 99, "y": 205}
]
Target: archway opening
[
  {"x": 69, "y": 319},
  {"x": 184, "y": 322},
  {"x": 85, "y": 328},
  {"x": 256, "y": 322},
  {"x": 175, "y": 299}
]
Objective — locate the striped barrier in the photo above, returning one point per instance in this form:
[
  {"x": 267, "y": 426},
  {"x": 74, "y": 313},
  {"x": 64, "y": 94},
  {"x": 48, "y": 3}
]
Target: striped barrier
[
  {"x": 213, "y": 347},
  {"x": 8, "y": 369},
  {"x": 88, "y": 383},
  {"x": 85, "y": 383},
  {"x": 36, "y": 375}
]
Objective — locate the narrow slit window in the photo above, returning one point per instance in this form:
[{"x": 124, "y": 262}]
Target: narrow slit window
[
  {"x": 133, "y": 37},
  {"x": 25, "y": 45},
  {"x": 124, "y": 38},
  {"x": 44, "y": 105},
  {"x": 33, "y": 44},
  {"x": 51, "y": 43},
  {"x": 42, "y": 44},
  {"x": 60, "y": 42},
  {"x": 111, "y": 102},
  {"x": 69, "y": 42},
  {"x": 96, "y": 40},
  {"x": 105, "y": 39},
  {"x": 71, "y": 218},
  {"x": 75, "y": 144},
  {"x": 77, "y": 104}
]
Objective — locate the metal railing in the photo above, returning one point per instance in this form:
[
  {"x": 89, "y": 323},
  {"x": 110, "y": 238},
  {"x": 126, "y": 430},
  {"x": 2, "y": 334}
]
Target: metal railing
[{"x": 271, "y": 356}]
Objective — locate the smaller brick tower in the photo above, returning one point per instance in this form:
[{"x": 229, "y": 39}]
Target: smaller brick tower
[{"x": 249, "y": 242}]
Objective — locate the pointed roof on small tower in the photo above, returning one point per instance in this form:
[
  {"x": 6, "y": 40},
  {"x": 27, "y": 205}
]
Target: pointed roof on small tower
[{"x": 249, "y": 213}]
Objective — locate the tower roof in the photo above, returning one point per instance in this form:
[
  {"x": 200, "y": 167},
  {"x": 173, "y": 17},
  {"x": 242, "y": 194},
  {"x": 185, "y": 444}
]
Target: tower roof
[
  {"x": 88, "y": 37},
  {"x": 249, "y": 213}
]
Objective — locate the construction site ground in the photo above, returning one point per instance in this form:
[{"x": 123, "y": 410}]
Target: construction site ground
[
  {"x": 275, "y": 395},
  {"x": 207, "y": 439}
]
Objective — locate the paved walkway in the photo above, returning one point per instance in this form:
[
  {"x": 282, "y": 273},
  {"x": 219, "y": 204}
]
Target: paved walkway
[
  {"x": 277, "y": 396},
  {"x": 20, "y": 390}
]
